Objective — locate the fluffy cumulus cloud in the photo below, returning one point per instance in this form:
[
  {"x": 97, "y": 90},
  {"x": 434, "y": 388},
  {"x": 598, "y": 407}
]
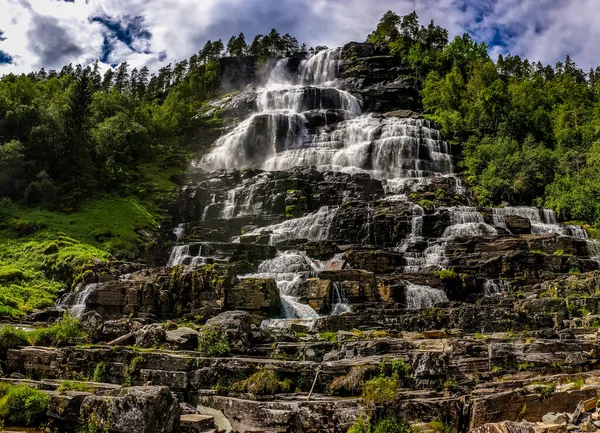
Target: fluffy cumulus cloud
[{"x": 51, "y": 33}]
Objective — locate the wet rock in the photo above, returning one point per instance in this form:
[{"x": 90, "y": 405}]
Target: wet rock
[
  {"x": 140, "y": 409},
  {"x": 517, "y": 225},
  {"x": 237, "y": 326}
]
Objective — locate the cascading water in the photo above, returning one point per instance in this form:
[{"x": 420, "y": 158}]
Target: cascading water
[
  {"x": 466, "y": 221},
  {"x": 75, "y": 302},
  {"x": 288, "y": 270},
  {"x": 495, "y": 287},
  {"x": 314, "y": 227},
  {"x": 404, "y": 153},
  {"x": 418, "y": 297}
]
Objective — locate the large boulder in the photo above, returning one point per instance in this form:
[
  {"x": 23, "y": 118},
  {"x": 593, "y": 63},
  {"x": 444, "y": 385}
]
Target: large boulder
[
  {"x": 139, "y": 409},
  {"x": 237, "y": 326},
  {"x": 150, "y": 336},
  {"x": 182, "y": 338}
]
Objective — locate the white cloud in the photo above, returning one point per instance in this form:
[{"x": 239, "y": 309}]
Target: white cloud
[{"x": 51, "y": 33}]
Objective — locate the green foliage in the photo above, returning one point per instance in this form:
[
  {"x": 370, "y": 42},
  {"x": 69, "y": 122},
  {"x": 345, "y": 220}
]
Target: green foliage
[
  {"x": 213, "y": 342},
  {"x": 328, "y": 336},
  {"x": 61, "y": 333},
  {"x": 68, "y": 385},
  {"x": 388, "y": 423},
  {"x": 547, "y": 391},
  {"x": 263, "y": 382},
  {"x": 22, "y": 405},
  {"x": 100, "y": 372},
  {"x": 43, "y": 251},
  {"x": 11, "y": 337},
  {"x": 380, "y": 389}
]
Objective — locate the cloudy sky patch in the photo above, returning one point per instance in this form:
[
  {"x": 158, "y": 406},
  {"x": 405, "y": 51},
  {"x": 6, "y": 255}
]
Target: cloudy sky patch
[{"x": 51, "y": 33}]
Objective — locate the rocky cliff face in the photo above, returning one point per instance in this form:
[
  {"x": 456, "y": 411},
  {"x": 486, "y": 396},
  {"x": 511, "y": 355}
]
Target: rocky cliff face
[{"x": 329, "y": 217}]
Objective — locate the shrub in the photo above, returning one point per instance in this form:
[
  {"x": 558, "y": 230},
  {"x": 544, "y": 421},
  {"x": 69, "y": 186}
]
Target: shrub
[
  {"x": 380, "y": 389},
  {"x": 22, "y": 405},
  {"x": 101, "y": 372},
  {"x": 61, "y": 333},
  {"x": 547, "y": 391},
  {"x": 213, "y": 342},
  {"x": 263, "y": 382},
  {"x": 12, "y": 337},
  {"x": 352, "y": 383}
]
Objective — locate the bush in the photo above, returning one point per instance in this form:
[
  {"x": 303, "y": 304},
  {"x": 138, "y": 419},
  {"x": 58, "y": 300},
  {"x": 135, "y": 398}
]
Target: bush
[
  {"x": 213, "y": 342},
  {"x": 22, "y": 405},
  {"x": 380, "y": 389},
  {"x": 61, "y": 333},
  {"x": 12, "y": 337},
  {"x": 100, "y": 372}
]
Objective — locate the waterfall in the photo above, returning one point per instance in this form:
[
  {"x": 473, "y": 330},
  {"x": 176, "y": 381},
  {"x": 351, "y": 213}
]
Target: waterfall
[
  {"x": 179, "y": 254},
  {"x": 314, "y": 227},
  {"x": 467, "y": 221},
  {"x": 75, "y": 302},
  {"x": 179, "y": 231},
  {"x": 406, "y": 154},
  {"x": 289, "y": 270},
  {"x": 340, "y": 301},
  {"x": 495, "y": 287},
  {"x": 418, "y": 297}
]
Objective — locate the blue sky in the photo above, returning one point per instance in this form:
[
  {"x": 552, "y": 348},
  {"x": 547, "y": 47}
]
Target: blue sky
[{"x": 51, "y": 33}]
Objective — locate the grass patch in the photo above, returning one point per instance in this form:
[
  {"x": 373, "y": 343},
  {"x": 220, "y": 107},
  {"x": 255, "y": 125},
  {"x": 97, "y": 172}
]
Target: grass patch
[
  {"x": 42, "y": 252},
  {"x": 68, "y": 385}
]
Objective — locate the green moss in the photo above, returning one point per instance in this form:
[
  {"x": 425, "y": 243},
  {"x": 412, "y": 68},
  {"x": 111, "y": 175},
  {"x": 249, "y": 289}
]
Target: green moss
[
  {"x": 68, "y": 385},
  {"x": 445, "y": 274},
  {"x": 428, "y": 205},
  {"x": 292, "y": 211}
]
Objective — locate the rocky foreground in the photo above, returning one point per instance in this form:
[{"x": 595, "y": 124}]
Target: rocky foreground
[{"x": 315, "y": 300}]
